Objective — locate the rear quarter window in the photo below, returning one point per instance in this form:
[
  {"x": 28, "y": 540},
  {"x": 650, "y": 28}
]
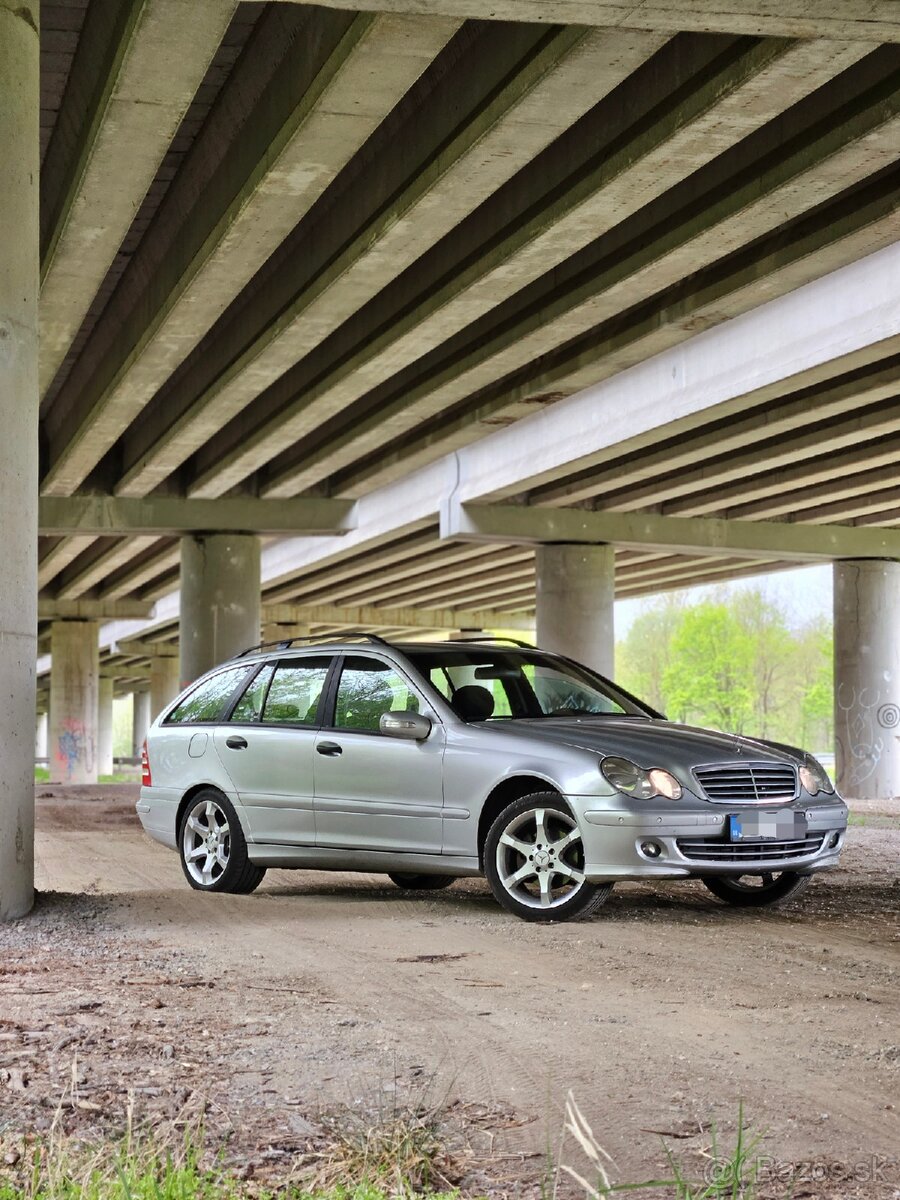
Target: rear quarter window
[{"x": 209, "y": 699}]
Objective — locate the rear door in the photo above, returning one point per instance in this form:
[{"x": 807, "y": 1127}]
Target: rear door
[
  {"x": 267, "y": 747},
  {"x": 375, "y": 792}
]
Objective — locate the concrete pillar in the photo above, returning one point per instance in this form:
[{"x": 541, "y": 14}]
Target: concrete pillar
[
  {"x": 164, "y": 686},
  {"x": 19, "y": 134},
  {"x": 220, "y": 599},
  {"x": 575, "y": 594},
  {"x": 105, "y": 727},
  {"x": 74, "y": 701},
  {"x": 141, "y": 717},
  {"x": 867, "y": 678},
  {"x": 40, "y": 736}
]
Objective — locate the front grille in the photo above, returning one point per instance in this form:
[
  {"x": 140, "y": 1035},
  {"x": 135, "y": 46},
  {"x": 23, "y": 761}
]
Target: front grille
[
  {"x": 747, "y": 783},
  {"x": 708, "y": 850}
]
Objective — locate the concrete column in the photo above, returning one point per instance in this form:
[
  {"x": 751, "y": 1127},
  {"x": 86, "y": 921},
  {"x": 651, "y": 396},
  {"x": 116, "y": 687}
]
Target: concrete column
[
  {"x": 867, "y": 678},
  {"x": 19, "y": 132},
  {"x": 40, "y": 736},
  {"x": 220, "y": 599},
  {"x": 74, "y": 701},
  {"x": 575, "y": 594},
  {"x": 140, "y": 720},
  {"x": 105, "y": 727},
  {"x": 164, "y": 686}
]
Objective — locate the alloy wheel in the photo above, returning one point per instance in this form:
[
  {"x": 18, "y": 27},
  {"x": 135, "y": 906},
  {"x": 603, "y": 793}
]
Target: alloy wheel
[
  {"x": 207, "y": 842},
  {"x": 540, "y": 858}
]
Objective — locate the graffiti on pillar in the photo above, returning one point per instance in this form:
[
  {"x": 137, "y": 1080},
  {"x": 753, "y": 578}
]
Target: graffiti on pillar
[
  {"x": 74, "y": 748},
  {"x": 859, "y": 738}
]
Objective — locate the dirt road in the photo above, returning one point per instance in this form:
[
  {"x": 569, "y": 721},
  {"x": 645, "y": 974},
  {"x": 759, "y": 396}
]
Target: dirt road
[{"x": 661, "y": 1014}]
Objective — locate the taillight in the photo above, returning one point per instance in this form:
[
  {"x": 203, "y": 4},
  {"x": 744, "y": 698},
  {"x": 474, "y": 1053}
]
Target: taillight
[{"x": 146, "y": 779}]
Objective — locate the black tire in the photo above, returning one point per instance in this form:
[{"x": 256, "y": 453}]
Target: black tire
[
  {"x": 583, "y": 899},
  {"x": 411, "y": 882},
  {"x": 238, "y": 875},
  {"x": 786, "y": 885}
]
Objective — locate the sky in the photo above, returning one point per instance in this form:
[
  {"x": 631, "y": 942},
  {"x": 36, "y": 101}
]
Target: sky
[{"x": 803, "y": 593}]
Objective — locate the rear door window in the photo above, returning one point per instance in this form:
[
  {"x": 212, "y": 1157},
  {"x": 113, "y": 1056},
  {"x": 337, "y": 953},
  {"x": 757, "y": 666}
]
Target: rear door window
[
  {"x": 295, "y": 691},
  {"x": 209, "y": 699},
  {"x": 250, "y": 706}
]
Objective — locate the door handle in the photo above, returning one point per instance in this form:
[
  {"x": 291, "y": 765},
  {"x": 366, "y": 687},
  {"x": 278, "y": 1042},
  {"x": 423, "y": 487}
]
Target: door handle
[
  {"x": 329, "y": 749},
  {"x": 235, "y": 742}
]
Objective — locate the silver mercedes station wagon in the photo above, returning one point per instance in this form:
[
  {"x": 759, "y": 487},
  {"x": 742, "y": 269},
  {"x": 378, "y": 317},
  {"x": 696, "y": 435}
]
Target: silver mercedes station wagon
[{"x": 433, "y": 761}]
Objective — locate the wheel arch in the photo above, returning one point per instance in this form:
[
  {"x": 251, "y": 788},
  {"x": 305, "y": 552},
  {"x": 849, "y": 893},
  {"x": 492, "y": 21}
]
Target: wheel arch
[
  {"x": 188, "y": 797},
  {"x": 506, "y": 792}
]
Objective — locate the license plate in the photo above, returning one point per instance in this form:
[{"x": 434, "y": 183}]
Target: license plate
[{"x": 766, "y": 826}]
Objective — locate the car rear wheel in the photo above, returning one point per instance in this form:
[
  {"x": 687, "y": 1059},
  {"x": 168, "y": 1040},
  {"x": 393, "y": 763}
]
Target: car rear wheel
[
  {"x": 534, "y": 861},
  {"x": 755, "y": 891},
  {"x": 420, "y": 883},
  {"x": 213, "y": 849}
]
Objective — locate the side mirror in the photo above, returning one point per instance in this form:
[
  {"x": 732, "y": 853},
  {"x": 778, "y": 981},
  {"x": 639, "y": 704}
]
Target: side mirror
[{"x": 410, "y": 725}]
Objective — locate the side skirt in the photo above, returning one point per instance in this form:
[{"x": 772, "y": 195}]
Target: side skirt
[{"x": 320, "y": 858}]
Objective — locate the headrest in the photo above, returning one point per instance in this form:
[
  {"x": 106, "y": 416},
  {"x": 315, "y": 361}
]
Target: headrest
[{"x": 472, "y": 703}]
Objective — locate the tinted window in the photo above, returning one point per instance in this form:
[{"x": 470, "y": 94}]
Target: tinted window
[
  {"x": 249, "y": 707},
  {"x": 367, "y": 689},
  {"x": 294, "y": 693},
  {"x": 206, "y": 702}
]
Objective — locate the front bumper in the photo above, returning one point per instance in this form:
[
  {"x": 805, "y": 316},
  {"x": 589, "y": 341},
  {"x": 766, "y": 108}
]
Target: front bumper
[{"x": 691, "y": 840}]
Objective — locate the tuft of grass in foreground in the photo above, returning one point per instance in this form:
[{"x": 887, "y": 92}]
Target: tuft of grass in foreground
[
  {"x": 121, "y": 1174},
  {"x": 728, "y": 1176}
]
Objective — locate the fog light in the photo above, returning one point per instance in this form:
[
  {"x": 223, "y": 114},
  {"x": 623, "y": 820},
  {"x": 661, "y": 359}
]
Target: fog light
[
  {"x": 651, "y": 849},
  {"x": 834, "y": 839}
]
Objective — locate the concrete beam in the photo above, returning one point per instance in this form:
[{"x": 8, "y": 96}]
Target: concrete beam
[
  {"x": 95, "y": 610},
  {"x": 368, "y": 616},
  {"x": 835, "y": 323},
  {"x": 508, "y": 116},
  {"x": 875, "y": 20},
  {"x": 140, "y": 648},
  {"x": 161, "y": 515},
  {"x": 139, "y": 95},
  {"x": 710, "y": 216},
  {"x": 279, "y": 168},
  {"x": 523, "y": 524},
  {"x": 694, "y": 122},
  {"x": 125, "y": 672}
]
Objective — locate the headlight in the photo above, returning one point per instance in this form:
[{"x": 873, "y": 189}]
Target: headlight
[
  {"x": 814, "y": 777},
  {"x": 628, "y": 777}
]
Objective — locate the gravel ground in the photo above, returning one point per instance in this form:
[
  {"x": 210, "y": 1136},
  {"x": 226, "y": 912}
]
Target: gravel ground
[{"x": 325, "y": 992}]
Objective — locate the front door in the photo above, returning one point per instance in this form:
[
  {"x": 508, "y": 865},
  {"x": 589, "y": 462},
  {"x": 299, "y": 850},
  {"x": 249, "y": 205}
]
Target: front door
[
  {"x": 268, "y": 747},
  {"x": 375, "y": 792}
]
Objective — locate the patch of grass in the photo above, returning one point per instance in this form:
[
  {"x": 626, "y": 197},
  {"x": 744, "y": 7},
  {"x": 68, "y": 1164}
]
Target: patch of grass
[
  {"x": 397, "y": 1147},
  {"x": 728, "y": 1175},
  {"x": 41, "y": 775},
  {"x": 147, "y": 1172}
]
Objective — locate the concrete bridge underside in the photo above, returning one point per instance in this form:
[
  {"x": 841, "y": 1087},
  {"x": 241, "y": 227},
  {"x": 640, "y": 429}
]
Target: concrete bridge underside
[{"x": 349, "y": 276}]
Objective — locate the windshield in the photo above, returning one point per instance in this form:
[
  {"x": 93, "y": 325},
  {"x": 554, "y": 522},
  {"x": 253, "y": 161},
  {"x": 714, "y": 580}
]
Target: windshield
[{"x": 484, "y": 684}]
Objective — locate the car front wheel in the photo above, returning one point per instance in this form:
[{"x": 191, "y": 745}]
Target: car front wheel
[
  {"x": 755, "y": 891},
  {"x": 534, "y": 861},
  {"x": 212, "y": 847}
]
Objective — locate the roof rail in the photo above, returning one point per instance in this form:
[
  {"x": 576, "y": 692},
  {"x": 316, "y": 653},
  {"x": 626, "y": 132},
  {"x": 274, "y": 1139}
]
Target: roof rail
[
  {"x": 464, "y": 641},
  {"x": 286, "y": 643}
]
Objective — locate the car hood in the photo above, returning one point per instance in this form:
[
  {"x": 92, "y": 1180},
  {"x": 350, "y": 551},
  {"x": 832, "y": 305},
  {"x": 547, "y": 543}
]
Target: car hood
[{"x": 656, "y": 743}]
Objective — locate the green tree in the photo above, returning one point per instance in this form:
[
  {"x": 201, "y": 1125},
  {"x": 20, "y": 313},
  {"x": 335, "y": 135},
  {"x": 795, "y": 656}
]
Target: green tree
[
  {"x": 709, "y": 679},
  {"x": 643, "y": 657}
]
